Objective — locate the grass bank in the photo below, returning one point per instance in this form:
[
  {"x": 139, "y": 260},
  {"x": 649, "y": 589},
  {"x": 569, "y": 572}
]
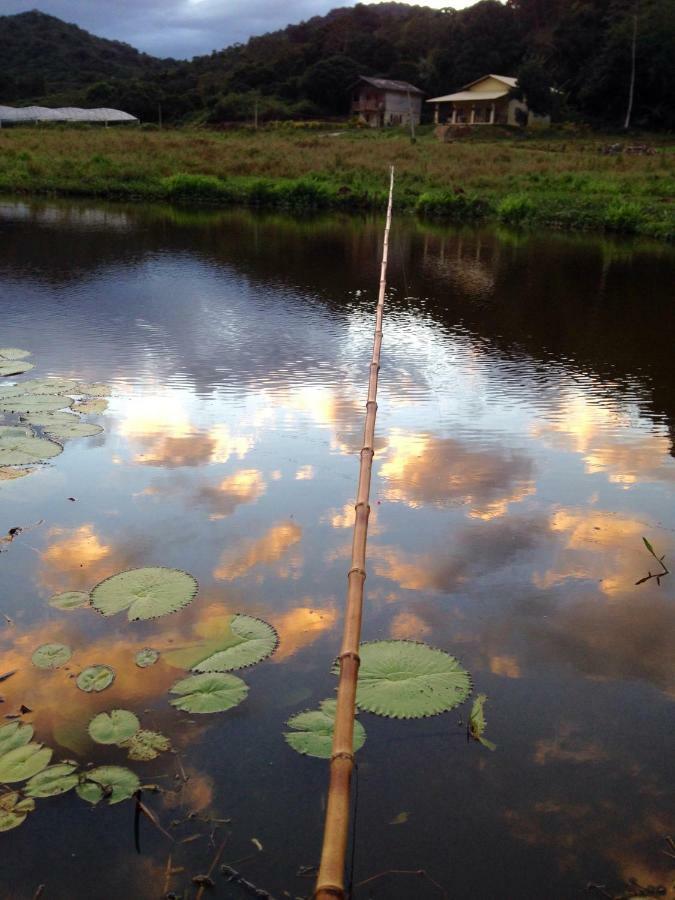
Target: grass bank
[{"x": 556, "y": 181}]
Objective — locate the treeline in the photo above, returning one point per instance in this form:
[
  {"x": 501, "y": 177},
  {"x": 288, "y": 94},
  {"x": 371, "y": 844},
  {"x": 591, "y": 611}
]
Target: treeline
[{"x": 581, "y": 47}]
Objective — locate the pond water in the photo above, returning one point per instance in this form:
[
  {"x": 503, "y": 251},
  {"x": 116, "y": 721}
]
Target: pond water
[{"x": 525, "y": 446}]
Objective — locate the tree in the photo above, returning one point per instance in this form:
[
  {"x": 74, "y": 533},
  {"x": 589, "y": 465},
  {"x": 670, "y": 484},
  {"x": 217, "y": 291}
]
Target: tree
[
  {"x": 328, "y": 81},
  {"x": 534, "y": 87}
]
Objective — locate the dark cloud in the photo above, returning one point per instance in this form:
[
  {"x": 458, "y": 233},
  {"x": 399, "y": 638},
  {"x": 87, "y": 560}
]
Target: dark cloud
[{"x": 180, "y": 28}]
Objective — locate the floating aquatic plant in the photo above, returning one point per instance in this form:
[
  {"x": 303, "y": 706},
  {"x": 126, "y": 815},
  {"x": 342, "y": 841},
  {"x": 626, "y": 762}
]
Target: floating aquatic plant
[
  {"x": 92, "y": 390},
  {"x": 96, "y": 405},
  {"x": 24, "y": 762},
  {"x": 7, "y": 474},
  {"x": 95, "y": 678},
  {"x": 53, "y": 780},
  {"x": 42, "y": 386},
  {"x": 69, "y": 600},
  {"x": 146, "y": 745},
  {"x": 146, "y": 657},
  {"x": 19, "y": 447},
  {"x": 114, "y": 727},
  {"x": 407, "y": 680},
  {"x": 313, "y": 731},
  {"x": 477, "y": 723},
  {"x": 145, "y": 593},
  {"x": 51, "y": 656},
  {"x": 15, "y": 734},
  {"x": 208, "y": 693},
  {"x": 114, "y": 782},
  {"x": 33, "y": 403},
  {"x": 18, "y": 367},
  {"x": 14, "y": 809},
  {"x": 13, "y": 353},
  {"x": 242, "y": 641},
  {"x": 64, "y": 430}
]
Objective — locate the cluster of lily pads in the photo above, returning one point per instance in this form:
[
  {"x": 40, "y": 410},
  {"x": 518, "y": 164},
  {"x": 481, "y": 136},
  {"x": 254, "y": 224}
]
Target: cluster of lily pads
[
  {"x": 45, "y": 412},
  {"x": 398, "y": 679},
  {"x": 26, "y": 772}
]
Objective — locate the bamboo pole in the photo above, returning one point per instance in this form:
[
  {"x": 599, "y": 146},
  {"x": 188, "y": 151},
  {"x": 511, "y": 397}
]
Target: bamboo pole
[{"x": 330, "y": 882}]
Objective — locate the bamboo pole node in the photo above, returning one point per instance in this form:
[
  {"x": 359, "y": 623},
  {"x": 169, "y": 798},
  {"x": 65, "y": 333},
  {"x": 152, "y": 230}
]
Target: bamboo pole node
[{"x": 331, "y": 877}]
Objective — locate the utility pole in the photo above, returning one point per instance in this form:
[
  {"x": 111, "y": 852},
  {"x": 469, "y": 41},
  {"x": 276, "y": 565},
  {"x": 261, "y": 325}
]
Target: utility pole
[
  {"x": 412, "y": 120},
  {"x": 631, "y": 89}
]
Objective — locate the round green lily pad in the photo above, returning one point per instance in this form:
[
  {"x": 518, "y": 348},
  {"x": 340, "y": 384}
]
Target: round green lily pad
[
  {"x": 52, "y": 781},
  {"x": 13, "y": 353},
  {"x": 145, "y": 593},
  {"x": 95, "y": 389},
  {"x": 95, "y": 678},
  {"x": 34, "y": 403},
  {"x": 114, "y": 727},
  {"x": 407, "y": 680},
  {"x": 114, "y": 782},
  {"x": 19, "y": 446},
  {"x": 51, "y": 656},
  {"x": 13, "y": 810},
  {"x": 146, "y": 657},
  {"x": 208, "y": 693},
  {"x": 243, "y": 641},
  {"x": 23, "y": 762},
  {"x": 69, "y": 600},
  {"x": 7, "y": 367},
  {"x": 88, "y": 407},
  {"x": 74, "y": 429},
  {"x": 14, "y": 734},
  {"x": 313, "y": 731}
]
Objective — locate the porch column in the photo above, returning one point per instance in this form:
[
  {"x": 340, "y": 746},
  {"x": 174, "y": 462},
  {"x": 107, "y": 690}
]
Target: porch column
[
  {"x": 454, "y": 115},
  {"x": 492, "y": 114},
  {"x": 473, "y": 115},
  {"x": 436, "y": 114}
]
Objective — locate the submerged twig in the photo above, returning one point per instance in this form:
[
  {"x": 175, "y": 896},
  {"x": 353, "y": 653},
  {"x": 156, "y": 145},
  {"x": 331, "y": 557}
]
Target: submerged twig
[
  {"x": 422, "y": 873},
  {"x": 214, "y": 863}
]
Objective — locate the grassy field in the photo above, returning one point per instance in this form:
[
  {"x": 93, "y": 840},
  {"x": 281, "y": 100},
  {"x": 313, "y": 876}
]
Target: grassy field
[{"x": 553, "y": 180}]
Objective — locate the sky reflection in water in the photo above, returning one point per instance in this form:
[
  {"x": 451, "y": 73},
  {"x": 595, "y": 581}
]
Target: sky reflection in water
[{"x": 524, "y": 448}]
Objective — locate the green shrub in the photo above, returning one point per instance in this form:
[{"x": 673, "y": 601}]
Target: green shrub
[
  {"x": 199, "y": 187},
  {"x": 623, "y": 216},
  {"x": 515, "y": 209},
  {"x": 459, "y": 207}
]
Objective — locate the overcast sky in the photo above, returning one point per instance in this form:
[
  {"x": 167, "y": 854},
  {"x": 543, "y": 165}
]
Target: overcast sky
[{"x": 186, "y": 28}]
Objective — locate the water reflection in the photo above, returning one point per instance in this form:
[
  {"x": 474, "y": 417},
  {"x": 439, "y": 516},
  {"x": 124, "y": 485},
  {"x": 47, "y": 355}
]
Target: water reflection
[{"x": 524, "y": 448}]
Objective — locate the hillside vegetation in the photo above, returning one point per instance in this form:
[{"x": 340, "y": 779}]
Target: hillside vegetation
[{"x": 583, "y": 47}]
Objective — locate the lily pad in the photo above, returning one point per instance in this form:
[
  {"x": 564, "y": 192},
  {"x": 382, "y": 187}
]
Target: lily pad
[
  {"x": 95, "y": 389},
  {"x": 95, "y": 678},
  {"x": 407, "y": 680},
  {"x": 90, "y": 791},
  {"x": 146, "y": 657},
  {"x": 243, "y": 641},
  {"x": 115, "y": 782},
  {"x": 146, "y": 593},
  {"x": 114, "y": 727},
  {"x": 52, "y": 781},
  {"x": 13, "y": 353},
  {"x": 19, "y": 446},
  {"x": 7, "y": 367},
  {"x": 313, "y": 731},
  {"x": 477, "y": 723},
  {"x": 73, "y": 429},
  {"x": 69, "y": 600},
  {"x": 7, "y": 474},
  {"x": 51, "y": 656},
  {"x": 34, "y": 403},
  {"x": 208, "y": 693},
  {"x": 53, "y": 385},
  {"x": 146, "y": 745},
  {"x": 13, "y": 810},
  {"x": 24, "y": 762},
  {"x": 16, "y": 734},
  {"x": 96, "y": 405},
  {"x": 49, "y": 419}
]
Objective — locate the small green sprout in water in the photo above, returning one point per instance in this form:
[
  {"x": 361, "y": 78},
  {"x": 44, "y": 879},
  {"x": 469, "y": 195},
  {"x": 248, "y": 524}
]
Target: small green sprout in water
[{"x": 660, "y": 560}]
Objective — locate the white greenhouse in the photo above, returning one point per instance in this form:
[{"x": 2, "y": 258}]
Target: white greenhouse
[{"x": 16, "y": 115}]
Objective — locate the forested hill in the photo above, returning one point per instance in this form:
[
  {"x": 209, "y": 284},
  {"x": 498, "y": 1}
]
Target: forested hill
[
  {"x": 40, "y": 54},
  {"x": 582, "y": 47}
]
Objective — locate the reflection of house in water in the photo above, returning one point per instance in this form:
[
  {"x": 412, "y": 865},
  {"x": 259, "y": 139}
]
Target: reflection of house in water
[{"x": 467, "y": 261}]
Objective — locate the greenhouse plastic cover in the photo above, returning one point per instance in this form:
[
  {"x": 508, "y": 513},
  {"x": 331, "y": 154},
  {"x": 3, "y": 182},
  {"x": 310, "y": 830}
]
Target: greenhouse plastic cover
[{"x": 64, "y": 114}]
